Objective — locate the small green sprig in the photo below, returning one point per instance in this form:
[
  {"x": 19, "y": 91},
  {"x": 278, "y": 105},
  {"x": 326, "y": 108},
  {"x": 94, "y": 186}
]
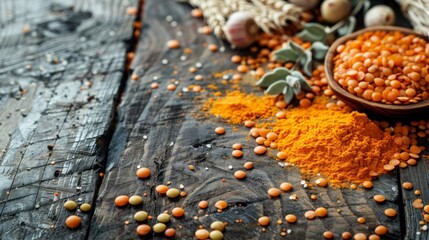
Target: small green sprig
[
  {"x": 302, "y": 58},
  {"x": 283, "y": 81}
]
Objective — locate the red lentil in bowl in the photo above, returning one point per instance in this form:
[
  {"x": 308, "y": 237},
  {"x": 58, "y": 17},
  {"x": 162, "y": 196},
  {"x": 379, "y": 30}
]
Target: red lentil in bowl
[{"x": 381, "y": 69}]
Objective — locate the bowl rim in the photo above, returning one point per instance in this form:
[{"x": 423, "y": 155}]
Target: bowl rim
[{"x": 329, "y": 65}]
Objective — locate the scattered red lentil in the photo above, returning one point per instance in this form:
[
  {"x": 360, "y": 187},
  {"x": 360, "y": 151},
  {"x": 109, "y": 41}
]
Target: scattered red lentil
[
  {"x": 203, "y": 204},
  {"x": 321, "y": 212},
  {"x": 220, "y": 130},
  {"x": 202, "y": 234},
  {"x": 367, "y": 184},
  {"x": 240, "y": 174},
  {"x": 310, "y": 215},
  {"x": 407, "y": 185},
  {"x": 379, "y": 198},
  {"x": 178, "y": 212},
  {"x": 237, "y": 153},
  {"x": 390, "y": 212},
  {"x": 121, "y": 200},
  {"x": 361, "y": 220},
  {"x": 346, "y": 235},
  {"x": 237, "y": 146},
  {"x": 321, "y": 182},
  {"x": 173, "y": 43},
  {"x": 170, "y": 232},
  {"x": 73, "y": 221},
  {"x": 143, "y": 173},
  {"x": 274, "y": 192},
  {"x": 264, "y": 221},
  {"x": 290, "y": 218},
  {"x": 162, "y": 189},
  {"x": 260, "y": 150},
  {"x": 328, "y": 235},
  {"x": 360, "y": 236},
  {"x": 285, "y": 186},
  {"x": 221, "y": 204},
  {"x": 248, "y": 165},
  {"x": 380, "y": 230}
]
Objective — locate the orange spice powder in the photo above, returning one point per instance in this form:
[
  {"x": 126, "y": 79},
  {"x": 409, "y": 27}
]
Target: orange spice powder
[
  {"x": 237, "y": 107},
  {"x": 342, "y": 146}
]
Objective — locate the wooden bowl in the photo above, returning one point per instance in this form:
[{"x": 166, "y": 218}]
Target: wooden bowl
[{"x": 413, "y": 110}]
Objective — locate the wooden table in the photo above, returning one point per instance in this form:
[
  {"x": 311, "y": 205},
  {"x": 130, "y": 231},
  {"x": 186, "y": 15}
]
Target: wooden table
[{"x": 71, "y": 112}]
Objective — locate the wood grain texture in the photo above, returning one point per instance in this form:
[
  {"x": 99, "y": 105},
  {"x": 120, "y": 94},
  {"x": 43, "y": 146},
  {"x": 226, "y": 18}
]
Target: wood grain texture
[
  {"x": 165, "y": 132},
  {"x": 61, "y": 65}
]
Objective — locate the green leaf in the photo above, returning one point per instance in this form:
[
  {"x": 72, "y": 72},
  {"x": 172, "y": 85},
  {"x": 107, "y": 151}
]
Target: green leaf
[
  {"x": 272, "y": 77},
  {"x": 319, "y": 50},
  {"x": 288, "y": 94},
  {"x": 276, "y": 88},
  {"x": 313, "y": 32},
  {"x": 302, "y": 81},
  {"x": 296, "y": 48},
  {"x": 306, "y": 63},
  {"x": 285, "y": 55},
  {"x": 293, "y": 83}
]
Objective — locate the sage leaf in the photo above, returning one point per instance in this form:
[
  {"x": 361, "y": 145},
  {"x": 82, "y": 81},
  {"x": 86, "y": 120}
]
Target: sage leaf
[
  {"x": 306, "y": 63},
  {"x": 302, "y": 81},
  {"x": 285, "y": 55},
  {"x": 288, "y": 94},
  {"x": 293, "y": 82},
  {"x": 276, "y": 88},
  {"x": 271, "y": 77},
  {"x": 319, "y": 50},
  {"x": 296, "y": 48},
  {"x": 313, "y": 32}
]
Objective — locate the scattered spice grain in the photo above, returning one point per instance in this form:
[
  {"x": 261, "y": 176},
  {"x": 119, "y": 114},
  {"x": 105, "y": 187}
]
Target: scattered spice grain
[
  {"x": 237, "y": 153},
  {"x": 274, "y": 192},
  {"x": 135, "y": 200},
  {"x": 290, "y": 218},
  {"x": 321, "y": 212},
  {"x": 248, "y": 165},
  {"x": 202, "y": 234},
  {"x": 240, "y": 174},
  {"x": 407, "y": 185},
  {"x": 390, "y": 212},
  {"x": 170, "y": 232},
  {"x": 173, "y": 44},
  {"x": 260, "y": 150},
  {"x": 143, "y": 173},
  {"x": 380, "y": 230},
  {"x": 73, "y": 221},
  {"x": 121, "y": 200},
  {"x": 203, "y": 204},
  {"x": 264, "y": 221},
  {"x": 220, "y": 130},
  {"x": 379, "y": 198},
  {"x": 70, "y": 205}
]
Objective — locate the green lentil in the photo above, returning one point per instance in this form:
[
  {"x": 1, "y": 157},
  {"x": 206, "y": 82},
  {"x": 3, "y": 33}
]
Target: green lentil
[
  {"x": 163, "y": 218},
  {"x": 135, "y": 200},
  {"x": 140, "y": 216},
  {"x": 173, "y": 193},
  {"x": 159, "y": 227},
  {"x": 217, "y": 225},
  {"x": 70, "y": 205},
  {"x": 216, "y": 235},
  {"x": 86, "y": 207}
]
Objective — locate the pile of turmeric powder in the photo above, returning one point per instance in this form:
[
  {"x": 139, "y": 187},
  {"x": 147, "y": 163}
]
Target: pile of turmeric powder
[
  {"x": 342, "y": 146},
  {"x": 237, "y": 107}
]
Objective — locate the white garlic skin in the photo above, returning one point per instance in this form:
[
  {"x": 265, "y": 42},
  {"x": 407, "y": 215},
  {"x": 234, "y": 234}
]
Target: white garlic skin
[
  {"x": 241, "y": 29},
  {"x": 380, "y": 15},
  {"x": 305, "y": 4},
  {"x": 334, "y": 11}
]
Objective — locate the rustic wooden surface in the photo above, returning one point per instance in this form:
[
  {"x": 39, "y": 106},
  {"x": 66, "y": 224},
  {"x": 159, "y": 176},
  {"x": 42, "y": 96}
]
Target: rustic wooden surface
[
  {"x": 51, "y": 103},
  {"x": 61, "y": 66}
]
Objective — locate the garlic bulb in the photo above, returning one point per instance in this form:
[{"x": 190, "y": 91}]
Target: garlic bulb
[
  {"x": 335, "y": 10},
  {"x": 380, "y": 15},
  {"x": 305, "y": 4},
  {"x": 241, "y": 29}
]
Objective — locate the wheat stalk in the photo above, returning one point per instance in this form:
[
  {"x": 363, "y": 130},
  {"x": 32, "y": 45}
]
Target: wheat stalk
[
  {"x": 269, "y": 15},
  {"x": 417, "y": 11}
]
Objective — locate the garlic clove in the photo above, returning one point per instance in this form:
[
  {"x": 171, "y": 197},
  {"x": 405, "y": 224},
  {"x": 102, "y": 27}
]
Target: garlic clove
[
  {"x": 334, "y": 11},
  {"x": 241, "y": 29},
  {"x": 380, "y": 15}
]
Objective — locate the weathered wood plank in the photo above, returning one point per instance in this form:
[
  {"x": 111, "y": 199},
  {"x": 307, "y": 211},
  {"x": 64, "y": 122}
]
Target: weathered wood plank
[
  {"x": 61, "y": 65},
  {"x": 159, "y": 129}
]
